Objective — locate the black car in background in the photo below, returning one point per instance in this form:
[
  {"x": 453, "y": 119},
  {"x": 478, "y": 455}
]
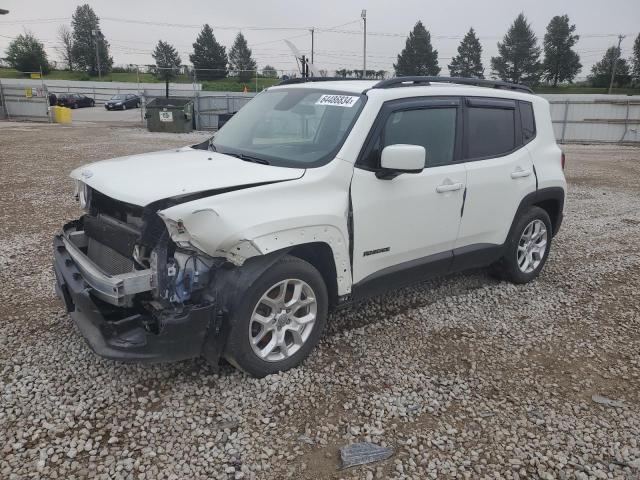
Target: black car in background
[
  {"x": 75, "y": 100},
  {"x": 122, "y": 101}
]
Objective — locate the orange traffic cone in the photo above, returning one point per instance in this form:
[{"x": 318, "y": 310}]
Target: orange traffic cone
[{"x": 245, "y": 89}]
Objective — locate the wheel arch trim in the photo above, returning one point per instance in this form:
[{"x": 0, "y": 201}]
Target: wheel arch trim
[
  {"x": 303, "y": 240},
  {"x": 540, "y": 198}
]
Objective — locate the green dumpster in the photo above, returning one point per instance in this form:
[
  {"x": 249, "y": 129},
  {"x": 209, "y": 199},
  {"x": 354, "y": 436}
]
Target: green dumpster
[{"x": 169, "y": 115}]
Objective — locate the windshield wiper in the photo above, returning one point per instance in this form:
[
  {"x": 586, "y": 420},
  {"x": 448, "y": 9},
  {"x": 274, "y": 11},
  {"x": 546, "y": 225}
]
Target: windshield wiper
[{"x": 248, "y": 158}]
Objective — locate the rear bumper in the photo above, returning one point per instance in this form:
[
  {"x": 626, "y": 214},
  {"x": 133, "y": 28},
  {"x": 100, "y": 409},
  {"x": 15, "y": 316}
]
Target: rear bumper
[{"x": 120, "y": 334}]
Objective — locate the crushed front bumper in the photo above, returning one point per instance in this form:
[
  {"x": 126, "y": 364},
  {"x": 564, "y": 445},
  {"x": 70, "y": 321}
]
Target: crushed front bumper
[{"x": 116, "y": 333}]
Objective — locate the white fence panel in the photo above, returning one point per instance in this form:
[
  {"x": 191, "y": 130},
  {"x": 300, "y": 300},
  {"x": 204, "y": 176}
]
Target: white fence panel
[
  {"x": 24, "y": 102},
  {"x": 209, "y": 105},
  {"x": 595, "y": 118},
  {"x": 576, "y": 118}
]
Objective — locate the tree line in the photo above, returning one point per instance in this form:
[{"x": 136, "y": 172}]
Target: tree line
[
  {"x": 520, "y": 59},
  {"x": 84, "y": 48}
]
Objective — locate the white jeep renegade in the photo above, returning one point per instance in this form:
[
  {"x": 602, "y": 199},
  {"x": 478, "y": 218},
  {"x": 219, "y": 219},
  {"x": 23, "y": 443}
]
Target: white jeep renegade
[{"x": 315, "y": 194}]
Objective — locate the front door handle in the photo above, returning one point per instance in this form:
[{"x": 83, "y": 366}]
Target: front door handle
[
  {"x": 520, "y": 173},
  {"x": 449, "y": 187}
]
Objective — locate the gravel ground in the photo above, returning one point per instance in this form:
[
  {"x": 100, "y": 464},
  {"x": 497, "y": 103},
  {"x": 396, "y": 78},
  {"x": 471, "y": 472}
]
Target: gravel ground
[{"x": 464, "y": 377}]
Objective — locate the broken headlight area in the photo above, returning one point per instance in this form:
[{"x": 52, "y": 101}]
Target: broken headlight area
[
  {"x": 82, "y": 193},
  {"x": 129, "y": 242}
]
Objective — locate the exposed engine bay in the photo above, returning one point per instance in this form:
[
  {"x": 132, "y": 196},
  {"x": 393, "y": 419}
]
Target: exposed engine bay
[{"x": 122, "y": 239}]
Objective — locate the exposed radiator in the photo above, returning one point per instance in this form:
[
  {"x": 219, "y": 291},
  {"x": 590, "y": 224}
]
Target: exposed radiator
[{"x": 108, "y": 259}]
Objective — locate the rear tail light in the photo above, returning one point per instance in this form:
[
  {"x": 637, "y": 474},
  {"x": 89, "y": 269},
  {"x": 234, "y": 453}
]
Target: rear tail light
[{"x": 562, "y": 160}]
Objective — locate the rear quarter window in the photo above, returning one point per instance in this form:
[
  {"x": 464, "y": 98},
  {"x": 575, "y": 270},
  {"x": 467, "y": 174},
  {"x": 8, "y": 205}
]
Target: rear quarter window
[{"x": 528, "y": 122}]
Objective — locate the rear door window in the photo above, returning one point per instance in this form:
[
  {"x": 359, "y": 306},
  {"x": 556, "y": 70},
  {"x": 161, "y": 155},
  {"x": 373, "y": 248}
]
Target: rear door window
[{"x": 490, "y": 130}]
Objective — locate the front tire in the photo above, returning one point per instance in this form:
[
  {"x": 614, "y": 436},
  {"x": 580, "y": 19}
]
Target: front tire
[
  {"x": 527, "y": 247},
  {"x": 280, "y": 319},
  {"x": 124, "y": 106}
]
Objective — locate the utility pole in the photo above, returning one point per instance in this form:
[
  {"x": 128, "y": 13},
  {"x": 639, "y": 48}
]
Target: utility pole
[
  {"x": 364, "y": 48},
  {"x": 615, "y": 62},
  {"x": 96, "y": 34},
  {"x": 312, "y": 32}
]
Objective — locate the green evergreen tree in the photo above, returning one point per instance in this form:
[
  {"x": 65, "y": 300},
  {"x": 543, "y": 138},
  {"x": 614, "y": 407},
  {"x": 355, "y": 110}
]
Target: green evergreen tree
[
  {"x": 418, "y": 56},
  {"x": 26, "y": 54},
  {"x": 167, "y": 63},
  {"x": 518, "y": 59},
  {"x": 468, "y": 62},
  {"x": 86, "y": 33},
  {"x": 635, "y": 60},
  {"x": 601, "y": 71},
  {"x": 209, "y": 58},
  {"x": 561, "y": 63},
  {"x": 240, "y": 59}
]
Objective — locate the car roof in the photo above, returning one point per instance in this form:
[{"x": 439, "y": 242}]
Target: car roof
[{"x": 433, "y": 89}]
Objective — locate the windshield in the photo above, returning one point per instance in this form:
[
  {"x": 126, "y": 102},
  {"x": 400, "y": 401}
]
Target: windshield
[
  {"x": 118, "y": 97},
  {"x": 290, "y": 127}
]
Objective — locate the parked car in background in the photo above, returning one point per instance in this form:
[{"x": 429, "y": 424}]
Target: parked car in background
[
  {"x": 122, "y": 101},
  {"x": 75, "y": 100}
]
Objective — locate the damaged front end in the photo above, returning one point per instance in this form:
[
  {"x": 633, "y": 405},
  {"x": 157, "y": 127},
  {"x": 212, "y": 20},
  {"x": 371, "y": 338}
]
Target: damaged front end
[{"x": 134, "y": 294}]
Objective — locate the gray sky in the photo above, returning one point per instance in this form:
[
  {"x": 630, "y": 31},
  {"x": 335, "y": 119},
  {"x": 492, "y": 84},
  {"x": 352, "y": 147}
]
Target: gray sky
[{"x": 388, "y": 23}]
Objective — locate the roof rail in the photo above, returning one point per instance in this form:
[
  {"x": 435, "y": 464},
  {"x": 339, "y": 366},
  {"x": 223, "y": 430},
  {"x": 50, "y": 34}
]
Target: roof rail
[
  {"x": 292, "y": 81},
  {"x": 478, "y": 82}
]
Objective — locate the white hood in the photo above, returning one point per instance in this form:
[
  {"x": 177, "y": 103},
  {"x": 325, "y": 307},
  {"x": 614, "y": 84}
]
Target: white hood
[{"x": 143, "y": 179}]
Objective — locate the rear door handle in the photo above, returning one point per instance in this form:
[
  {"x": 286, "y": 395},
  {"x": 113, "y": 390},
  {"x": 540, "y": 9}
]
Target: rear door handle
[
  {"x": 520, "y": 173},
  {"x": 449, "y": 187}
]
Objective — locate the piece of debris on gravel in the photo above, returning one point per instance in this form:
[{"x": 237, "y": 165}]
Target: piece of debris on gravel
[
  {"x": 363, "y": 453},
  {"x": 465, "y": 377},
  {"x": 607, "y": 401}
]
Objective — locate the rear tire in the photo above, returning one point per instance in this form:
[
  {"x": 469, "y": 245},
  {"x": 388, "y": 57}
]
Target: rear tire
[
  {"x": 280, "y": 319},
  {"x": 527, "y": 248},
  {"x": 93, "y": 103}
]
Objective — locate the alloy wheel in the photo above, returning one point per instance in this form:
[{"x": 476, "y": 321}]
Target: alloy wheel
[
  {"x": 532, "y": 246},
  {"x": 283, "y": 320}
]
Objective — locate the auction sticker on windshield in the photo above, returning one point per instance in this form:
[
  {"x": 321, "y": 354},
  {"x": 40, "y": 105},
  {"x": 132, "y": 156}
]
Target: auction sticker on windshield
[{"x": 337, "y": 100}]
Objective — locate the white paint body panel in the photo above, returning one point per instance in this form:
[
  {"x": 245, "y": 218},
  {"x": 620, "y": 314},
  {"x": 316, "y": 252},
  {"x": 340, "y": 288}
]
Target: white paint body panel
[
  {"x": 405, "y": 214},
  {"x": 493, "y": 197},
  {"x": 260, "y": 220},
  {"x": 143, "y": 179},
  {"x": 544, "y": 151}
]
